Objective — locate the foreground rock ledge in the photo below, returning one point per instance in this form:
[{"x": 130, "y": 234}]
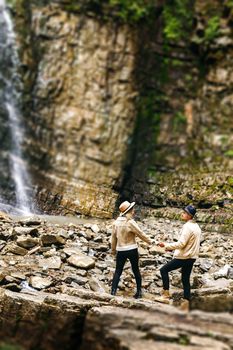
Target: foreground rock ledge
[{"x": 94, "y": 321}]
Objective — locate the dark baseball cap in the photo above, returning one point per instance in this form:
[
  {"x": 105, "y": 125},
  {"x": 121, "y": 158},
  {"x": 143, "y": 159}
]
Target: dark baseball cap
[{"x": 190, "y": 209}]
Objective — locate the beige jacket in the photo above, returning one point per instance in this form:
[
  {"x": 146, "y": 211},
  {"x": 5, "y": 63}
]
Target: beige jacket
[
  {"x": 188, "y": 245},
  {"x": 125, "y": 232}
]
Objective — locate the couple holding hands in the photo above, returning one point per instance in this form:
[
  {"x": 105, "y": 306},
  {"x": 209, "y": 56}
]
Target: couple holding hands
[{"x": 186, "y": 250}]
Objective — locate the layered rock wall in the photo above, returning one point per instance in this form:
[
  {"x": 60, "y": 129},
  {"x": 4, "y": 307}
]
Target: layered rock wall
[
  {"x": 82, "y": 73},
  {"x": 79, "y": 106},
  {"x": 184, "y": 139},
  {"x": 66, "y": 322}
]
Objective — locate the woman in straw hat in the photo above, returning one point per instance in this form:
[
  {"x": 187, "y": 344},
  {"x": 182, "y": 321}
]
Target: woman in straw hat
[{"x": 123, "y": 244}]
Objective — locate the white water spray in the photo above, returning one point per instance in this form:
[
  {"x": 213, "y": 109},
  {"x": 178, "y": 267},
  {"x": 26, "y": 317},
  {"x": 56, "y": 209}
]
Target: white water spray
[{"x": 11, "y": 93}]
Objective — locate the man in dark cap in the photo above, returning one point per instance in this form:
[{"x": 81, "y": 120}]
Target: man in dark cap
[{"x": 186, "y": 252}]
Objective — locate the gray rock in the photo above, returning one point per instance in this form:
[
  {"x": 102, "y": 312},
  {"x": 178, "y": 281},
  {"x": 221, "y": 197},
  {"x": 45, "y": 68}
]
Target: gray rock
[
  {"x": 230, "y": 273},
  {"x": 25, "y": 230},
  {"x": 156, "y": 250},
  {"x": 51, "y": 263},
  {"x": 96, "y": 285},
  {"x": 72, "y": 251},
  {"x": 95, "y": 228},
  {"x": 206, "y": 264},
  {"x": 15, "y": 249},
  {"x": 40, "y": 282},
  {"x": 83, "y": 262},
  {"x": 27, "y": 241},
  {"x": 223, "y": 272}
]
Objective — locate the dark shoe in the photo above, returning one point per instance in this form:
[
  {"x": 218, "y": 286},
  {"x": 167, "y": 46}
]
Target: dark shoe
[
  {"x": 138, "y": 295},
  {"x": 113, "y": 292}
]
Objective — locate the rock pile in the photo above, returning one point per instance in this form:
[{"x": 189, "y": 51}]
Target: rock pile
[{"x": 39, "y": 255}]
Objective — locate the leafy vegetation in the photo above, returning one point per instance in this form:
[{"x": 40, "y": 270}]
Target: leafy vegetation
[
  {"x": 229, "y": 3},
  {"x": 177, "y": 15},
  {"x": 178, "y": 120},
  {"x": 212, "y": 29},
  {"x": 133, "y": 11},
  {"x": 229, "y": 153},
  {"x": 125, "y": 10}
]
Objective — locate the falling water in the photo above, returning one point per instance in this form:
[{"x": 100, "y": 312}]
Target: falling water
[{"x": 10, "y": 80}]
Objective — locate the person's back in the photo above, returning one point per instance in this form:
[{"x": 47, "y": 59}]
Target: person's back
[
  {"x": 123, "y": 243},
  {"x": 126, "y": 230},
  {"x": 186, "y": 252},
  {"x": 191, "y": 231}
]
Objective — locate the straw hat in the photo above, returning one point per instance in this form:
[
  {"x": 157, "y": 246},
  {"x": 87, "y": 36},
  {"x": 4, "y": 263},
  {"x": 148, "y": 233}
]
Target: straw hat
[{"x": 125, "y": 207}]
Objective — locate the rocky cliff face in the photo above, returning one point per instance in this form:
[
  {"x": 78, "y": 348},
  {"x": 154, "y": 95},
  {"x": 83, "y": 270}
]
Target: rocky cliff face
[
  {"x": 79, "y": 106},
  {"x": 184, "y": 139},
  {"x": 81, "y": 75}
]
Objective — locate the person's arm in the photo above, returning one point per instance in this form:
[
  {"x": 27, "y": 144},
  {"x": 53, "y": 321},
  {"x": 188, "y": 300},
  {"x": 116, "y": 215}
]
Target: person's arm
[
  {"x": 136, "y": 229},
  {"x": 182, "y": 242},
  {"x": 113, "y": 240}
]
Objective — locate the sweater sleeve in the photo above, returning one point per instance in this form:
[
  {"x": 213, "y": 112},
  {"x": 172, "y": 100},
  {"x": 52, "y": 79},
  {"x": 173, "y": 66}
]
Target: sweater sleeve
[
  {"x": 113, "y": 239},
  {"x": 182, "y": 242},
  {"x": 136, "y": 229}
]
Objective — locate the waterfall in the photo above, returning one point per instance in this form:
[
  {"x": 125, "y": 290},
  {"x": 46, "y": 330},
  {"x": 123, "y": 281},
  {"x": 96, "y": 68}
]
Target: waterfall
[{"x": 11, "y": 86}]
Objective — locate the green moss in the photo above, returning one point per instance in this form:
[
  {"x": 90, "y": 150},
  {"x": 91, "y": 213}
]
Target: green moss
[
  {"x": 178, "y": 19},
  {"x": 230, "y": 181},
  {"x": 229, "y": 3},
  {"x": 127, "y": 11},
  {"x": 229, "y": 153},
  {"x": 212, "y": 29},
  {"x": 178, "y": 120},
  {"x": 184, "y": 339}
]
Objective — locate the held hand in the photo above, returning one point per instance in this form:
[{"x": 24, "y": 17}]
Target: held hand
[{"x": 161, "y": 244}]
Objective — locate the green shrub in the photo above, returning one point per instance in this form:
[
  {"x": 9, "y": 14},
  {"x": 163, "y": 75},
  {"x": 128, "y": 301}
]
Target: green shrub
[
  {"x": 178, "y": 18},
  {"x": 212, "y": 29},
  {"x": 229, "y": 153}
]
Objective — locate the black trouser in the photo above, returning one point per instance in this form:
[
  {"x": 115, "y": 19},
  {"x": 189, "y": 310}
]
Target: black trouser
[
  {"x": 121, "y": 258},
  {"x": 186, "y": 266}
]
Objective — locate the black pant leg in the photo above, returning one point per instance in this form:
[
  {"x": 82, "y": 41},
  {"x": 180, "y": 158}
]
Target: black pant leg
[
  {"x": 174, "y": 264},
  {"x": 120, "y": 262},
  {"x": 186, "y": 272},
  {"x": 134, "y": 259}
]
